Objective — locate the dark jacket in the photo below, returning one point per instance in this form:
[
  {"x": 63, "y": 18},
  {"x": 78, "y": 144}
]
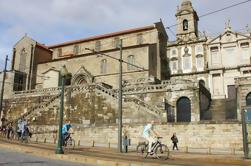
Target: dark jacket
[{"x": 174, "y": 139}]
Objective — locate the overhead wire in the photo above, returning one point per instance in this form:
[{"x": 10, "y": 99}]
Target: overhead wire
[
  {"x": 213, "y": 12},
  {"x": 168, "y": 27}
]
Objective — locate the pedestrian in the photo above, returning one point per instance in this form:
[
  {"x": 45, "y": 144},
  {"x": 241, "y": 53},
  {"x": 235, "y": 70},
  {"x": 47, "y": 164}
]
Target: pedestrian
[
  {"x": 19, "y": 128},
  {"x": 175, "y": 141},
  {"x": 9, "y": 131}
]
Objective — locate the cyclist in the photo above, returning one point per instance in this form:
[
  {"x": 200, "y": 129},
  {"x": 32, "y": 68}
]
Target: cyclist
[
  {"x": 23, "y": 125},
  {"x": 149, "y": 133},
  {"x": 66, "y": 131}
]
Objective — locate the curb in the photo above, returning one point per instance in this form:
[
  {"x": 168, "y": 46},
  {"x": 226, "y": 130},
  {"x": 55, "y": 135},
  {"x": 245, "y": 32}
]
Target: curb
[
  {"x": 92, "y": 160},
  {"x": 74, "y": 157}
]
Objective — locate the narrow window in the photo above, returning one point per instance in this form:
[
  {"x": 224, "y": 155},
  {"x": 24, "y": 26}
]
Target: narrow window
[
  {"x": 131, "y": 60},
  {"x": 22, "y": 63},
  {"x": 76, "y": 50},
  {"x": 185, "y": 25},
  {"x": 187, "y": 63},
  {"x": 199, "y": 62},
  {"x": 116, "y": 42},
  {"x": 174, "y": 52},
  {"x": 174, "y": 64},
  {"x": 103, "y": 66},
  {"x": 215, "y": 56},
  {"x": 98, "y": 46},
  {"x": 139, "y": 38},
  {"x": 59, "y": 52}
]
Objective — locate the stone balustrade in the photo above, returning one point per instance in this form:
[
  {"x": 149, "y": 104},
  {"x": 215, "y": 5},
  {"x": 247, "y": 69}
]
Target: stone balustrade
[
  {"x": 54, "y": 93},
  {"x": 151, "y": 109},
  {"x": 139, "y": 81},
  {"x": 37, "y": 92}
]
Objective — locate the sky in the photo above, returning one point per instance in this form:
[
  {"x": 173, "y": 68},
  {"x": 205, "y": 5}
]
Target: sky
[{"x": 56, "y": 21}]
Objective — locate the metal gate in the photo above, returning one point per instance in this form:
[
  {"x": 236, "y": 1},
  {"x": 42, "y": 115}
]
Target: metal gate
[{"x": 183, "y": 110}]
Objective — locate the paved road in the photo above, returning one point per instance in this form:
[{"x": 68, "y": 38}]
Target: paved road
[{"x": 9, "y": 158}]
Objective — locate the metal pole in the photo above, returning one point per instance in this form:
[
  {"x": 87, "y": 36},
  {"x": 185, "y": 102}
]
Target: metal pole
[
  {"x": 120, "y": 101},
  {"x": 59, "y": 149},
  {"x": 2, "y": 90}
]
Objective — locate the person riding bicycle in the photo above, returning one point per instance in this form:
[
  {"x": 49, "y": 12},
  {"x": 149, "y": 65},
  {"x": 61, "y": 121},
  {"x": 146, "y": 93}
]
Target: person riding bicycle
[
  {"x": 66, "y": 131},
  {"x": 149, "y": 133},
  {"x": 24, "y": 128}
]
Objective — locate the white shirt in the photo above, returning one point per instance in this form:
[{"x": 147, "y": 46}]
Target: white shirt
[{"x": 146, "y": 132}]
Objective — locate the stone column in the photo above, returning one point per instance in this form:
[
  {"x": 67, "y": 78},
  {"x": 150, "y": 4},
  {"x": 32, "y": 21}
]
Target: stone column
[
  {"x": 193, "y": 59},
  {"x": 179, "y": 60},
  {"x": 195, "y": 106}
]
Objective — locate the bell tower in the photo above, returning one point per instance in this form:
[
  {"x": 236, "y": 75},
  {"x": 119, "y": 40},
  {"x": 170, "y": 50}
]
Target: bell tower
[{"x": 187, "y": 22}]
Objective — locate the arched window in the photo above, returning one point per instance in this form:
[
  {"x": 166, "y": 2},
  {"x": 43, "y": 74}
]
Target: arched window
[
  {"x": 98, "y": 45},
  {"x": 174, "y": 65},
  {"x": 22, "y": 62},
  {"x": 248, "y": 99},
  {"x": 131, "y": 60},
  {"x": 187, "y": 62},
  {"x": 185, "y": 25},
  {"x": 199, "y": 62},
  {"x": 202, "y": 82},
  {"x": 183, "y": 110},
  {"x": 103, "y": 66}
]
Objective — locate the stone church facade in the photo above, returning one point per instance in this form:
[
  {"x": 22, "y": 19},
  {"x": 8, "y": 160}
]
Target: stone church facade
[
  {"x": 144, "y": 46},
  {"x": 185, "y": 84},
  {"x": 214, "y": 62}
]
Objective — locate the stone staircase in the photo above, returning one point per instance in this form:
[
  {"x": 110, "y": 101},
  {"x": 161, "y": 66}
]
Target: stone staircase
[
  {"x": 218, "y": 109},
  {"x": 37, "y": 108},
  {"x": 100, "y": 89},
  {"x": 52, "y": 95}
]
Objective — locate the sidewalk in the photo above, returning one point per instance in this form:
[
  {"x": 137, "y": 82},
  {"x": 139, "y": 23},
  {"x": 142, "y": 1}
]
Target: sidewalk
[{"x": 110, "y": 156}]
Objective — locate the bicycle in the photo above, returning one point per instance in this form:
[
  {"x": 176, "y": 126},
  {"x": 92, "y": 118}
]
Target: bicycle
[
  {"x": 160, "y": 150},
  {"x": 25, "y": 137},
  {"x": 69, "y": 142}
]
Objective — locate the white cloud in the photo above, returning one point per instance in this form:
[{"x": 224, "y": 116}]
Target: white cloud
[{"x": 53, "y": 21}]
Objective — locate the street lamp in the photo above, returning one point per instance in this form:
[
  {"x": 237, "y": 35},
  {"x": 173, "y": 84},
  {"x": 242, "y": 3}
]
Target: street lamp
[{"x": 63, "y": 73}]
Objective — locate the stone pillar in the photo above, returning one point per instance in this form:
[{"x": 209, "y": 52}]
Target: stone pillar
[
  {"x": 195, "y": 106},
  {"x": 193, "y": 59},
  {"x": 179, "y": 60}
]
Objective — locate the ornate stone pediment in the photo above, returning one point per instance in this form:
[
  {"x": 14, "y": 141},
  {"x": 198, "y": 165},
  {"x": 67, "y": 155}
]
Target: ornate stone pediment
[{"x": 82, "y": 76}]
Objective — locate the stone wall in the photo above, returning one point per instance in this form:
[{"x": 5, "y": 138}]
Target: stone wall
[
  {"x": 192, "y": 135},
  {"x": 243, "y": 86},
  {"x": 92, "y": 65},
  {"x": 8, "y": 86}
]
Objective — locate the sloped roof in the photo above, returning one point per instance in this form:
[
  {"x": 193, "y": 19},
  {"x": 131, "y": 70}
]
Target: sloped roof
[{"x": 103, "y": 36}]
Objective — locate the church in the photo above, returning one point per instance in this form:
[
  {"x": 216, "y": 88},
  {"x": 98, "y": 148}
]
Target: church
[{"x": 194, "y": 83}]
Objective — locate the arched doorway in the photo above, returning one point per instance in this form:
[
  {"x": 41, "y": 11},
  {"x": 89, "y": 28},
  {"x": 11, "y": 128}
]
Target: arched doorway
[
  {"x": 183, "y": 110},
  {"x": 248, "y": 99},
  {"x": 80, "y": 80}
]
